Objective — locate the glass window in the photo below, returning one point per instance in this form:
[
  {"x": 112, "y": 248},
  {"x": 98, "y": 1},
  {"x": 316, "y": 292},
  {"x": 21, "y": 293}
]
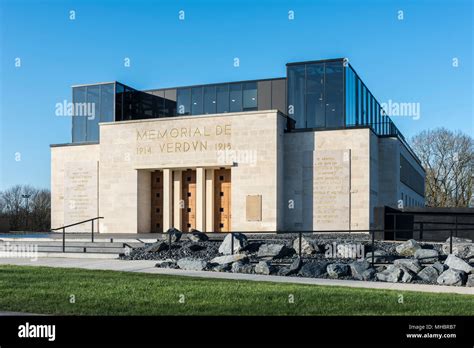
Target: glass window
[
  {"x": 184, "y": 101},
  {"x": 151, "y": 107},
  {"x": 315, "y": 108},
  {"x": 78, "y": 121},
  {"x": 119, "y": 91},
  {"x": 128, "y": 106},
  {"x": 296, "y": 94},
  {"x": 222, "y": 92},
  {"x": 196, "y": 101},
  {"x": 210, "y": 101},
  {"x": 93, "y": 118},
  {"x": 235, "y": 97},
  {"x": 334, "y": 92},
  {"x": 107, "y": 103},
  {"x": 250, "y": 96},
  {"x": 170, "y": 107},
  {"x": 359, "y": 102}
]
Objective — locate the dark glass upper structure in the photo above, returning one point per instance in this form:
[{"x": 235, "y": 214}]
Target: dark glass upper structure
[{"x": 316, "y": 95}]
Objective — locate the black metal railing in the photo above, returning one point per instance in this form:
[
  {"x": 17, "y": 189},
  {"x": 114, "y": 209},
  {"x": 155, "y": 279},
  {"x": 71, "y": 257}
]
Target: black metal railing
[{"x": 63, "y": 228}]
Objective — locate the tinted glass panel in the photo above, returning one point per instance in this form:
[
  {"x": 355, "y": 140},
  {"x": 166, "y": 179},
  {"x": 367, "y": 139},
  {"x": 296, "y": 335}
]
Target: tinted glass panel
[
  {"x": 128, "y": 107},
  {"x": 334, "y": 91},
  {"x": 170, "y": 107},
  {"x": 249, "y": 96},
  {"x": 196, "y": 101},
  {"x": 410, "y": 177},
  {"x": 184, "y": 101},
  {"x": 93, "y": 100},
  {"x": 119, "y": 90},
  {"x": 235, "y": 97},
  {"x": 315, "y": 108},
  {"x": 222, "y": 98},
  {"x": 78, "y": 121},
  {"x": 107, "y": 103},
  {"x": 296, "y": 94},
  {"x": 210, "y": 100}
]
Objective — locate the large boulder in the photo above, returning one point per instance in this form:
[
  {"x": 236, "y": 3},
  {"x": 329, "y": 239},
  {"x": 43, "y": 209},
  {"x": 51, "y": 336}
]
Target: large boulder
[
  {"x": 197, "y": 236},
  {"x": 455, "y": 262},
  {"x": 462, "y": 247},
  {"x": 348, "y": 251},
  {"x": 459, "y": 240},
  {"x": 191, "y": 264},
  {"x": 307, "y": 246},
  {"x": 227, "y": 259},
  {"x": 263, "y": 267},
  {"x": 292, "y": 269},
  {"x": 337, "y": 270},
  {"x": 222, "y": 268},
  {"x": 174, "y": 233},
  {"x": 358, "y": 268},
  {"x": 440, "y": 267},
  {"x": 313, "y": 269},
  {"x": 273, "y": 251},
  {"x": 157, "y": 247},
  {"x": 451, "y": 277},
  {"x": 411, "y": 264},
  {"x": 168, "y": 263},
  {"x": 407, "y": 275},
  {"x": 470, "y": 280},
  {"x": 240, "y": 242},
  {"x": 392, "y": 274},
  {"x": 428, "y": 274},
  {"x": 368, "y": 274},
  {"x": 379, "y": 256},
  {"x": 427, "y": 255},
  {"x": 408, "y": 248},
  {"x": 242, "y": 267}
]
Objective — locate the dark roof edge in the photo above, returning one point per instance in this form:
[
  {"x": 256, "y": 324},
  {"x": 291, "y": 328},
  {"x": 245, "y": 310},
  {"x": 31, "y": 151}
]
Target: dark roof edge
[
  {"x": 212, "y": 84},
  {"x": 74, "y": 144}
]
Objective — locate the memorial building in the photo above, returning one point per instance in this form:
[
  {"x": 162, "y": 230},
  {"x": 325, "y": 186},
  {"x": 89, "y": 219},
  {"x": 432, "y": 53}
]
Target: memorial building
[{"x": 310, "y": 151}]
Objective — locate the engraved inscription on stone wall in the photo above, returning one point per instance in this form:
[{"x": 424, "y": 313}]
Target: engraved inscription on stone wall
[
  {"x": 80, "y": 200},
  {"x": 331, "y": 189}
]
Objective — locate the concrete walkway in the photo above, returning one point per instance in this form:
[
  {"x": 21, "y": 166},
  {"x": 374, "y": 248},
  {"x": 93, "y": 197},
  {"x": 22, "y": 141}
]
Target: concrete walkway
[
  {"x": 147, "y": 266},
  {"x": 17, "y": 314}
]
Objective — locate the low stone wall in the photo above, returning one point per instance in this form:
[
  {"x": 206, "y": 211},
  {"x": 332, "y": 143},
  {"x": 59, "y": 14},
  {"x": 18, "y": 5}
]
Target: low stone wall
[{"x": 342, "y": 256}]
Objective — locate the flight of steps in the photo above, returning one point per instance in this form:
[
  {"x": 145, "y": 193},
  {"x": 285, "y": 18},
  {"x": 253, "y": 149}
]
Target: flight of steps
[{"x": 101, "y": 248}]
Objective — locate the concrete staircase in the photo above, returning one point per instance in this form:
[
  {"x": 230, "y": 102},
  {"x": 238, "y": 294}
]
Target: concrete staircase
[{"x": 45, "y": 247}]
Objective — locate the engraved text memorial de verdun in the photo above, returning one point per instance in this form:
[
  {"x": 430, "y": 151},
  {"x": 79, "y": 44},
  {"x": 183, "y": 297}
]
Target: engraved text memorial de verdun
[{"x": 184, "y": 139}]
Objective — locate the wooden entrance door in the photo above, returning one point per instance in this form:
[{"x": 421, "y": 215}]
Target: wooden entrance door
[
  {"x": 222, "y": 204},
  {"x": 157, "y": 201},
  {"x": 189, "y": 200}
]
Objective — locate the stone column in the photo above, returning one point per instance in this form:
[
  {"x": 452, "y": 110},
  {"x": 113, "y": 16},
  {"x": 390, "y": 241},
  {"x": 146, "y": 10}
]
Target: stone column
[
  {"x": 209, "y": 200},
  {"x": 200, "y": 199},
  {"x": 177, "y": 198},
  {"x": 167, "y": 199}
]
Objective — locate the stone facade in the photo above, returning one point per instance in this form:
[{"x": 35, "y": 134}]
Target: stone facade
[
  {"x": 312, "y": 180},
  {"x": 74, "y": 185}
]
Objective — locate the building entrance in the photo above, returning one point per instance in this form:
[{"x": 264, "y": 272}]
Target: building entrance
[
  {"x": 157, "y": 201},
  {"x": 188, "y": 190},
  {"x": 222, "y": 203}
]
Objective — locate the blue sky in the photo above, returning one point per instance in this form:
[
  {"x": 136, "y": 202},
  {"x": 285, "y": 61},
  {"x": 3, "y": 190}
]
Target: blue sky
[{"x": 409, "y": 60}]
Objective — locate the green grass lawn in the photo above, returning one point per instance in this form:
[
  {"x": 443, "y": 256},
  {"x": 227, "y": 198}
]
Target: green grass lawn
[{"x": 48, "y": 290}]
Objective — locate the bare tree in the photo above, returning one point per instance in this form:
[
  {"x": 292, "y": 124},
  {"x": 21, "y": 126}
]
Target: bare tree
[
  {"x": 27, "y": 208},
  {"x": 447, "y": 158},
  {"x": 41, "y": 210}
]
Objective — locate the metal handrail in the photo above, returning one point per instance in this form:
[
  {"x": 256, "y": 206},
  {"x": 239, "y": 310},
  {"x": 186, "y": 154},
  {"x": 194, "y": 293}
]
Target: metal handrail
[
  {"x": 74, "y": 224},
  {"x": 77, "y": 223}
]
